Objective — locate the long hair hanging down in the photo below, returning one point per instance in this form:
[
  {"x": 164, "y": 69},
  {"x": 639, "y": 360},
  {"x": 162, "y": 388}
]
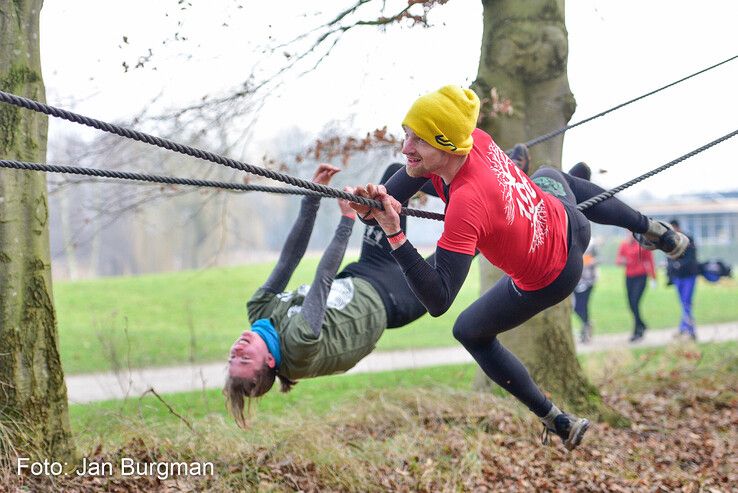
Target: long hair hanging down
[{"x": 237, "y": 389}]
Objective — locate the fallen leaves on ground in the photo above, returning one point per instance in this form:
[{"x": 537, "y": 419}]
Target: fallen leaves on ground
[{"x": 683, "y": 437}]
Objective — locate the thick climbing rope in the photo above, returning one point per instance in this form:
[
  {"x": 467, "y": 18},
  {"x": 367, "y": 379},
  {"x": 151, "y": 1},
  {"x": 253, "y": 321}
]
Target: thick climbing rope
[
  {"x": 320, "y": 189},
  {"x": 127, "y": 175},
  {"x": 166, "y": 180},
  {"x": 201, "y": 154},
  {"x": 560, "y": 131},
  {"x": 609, "y": 193}
]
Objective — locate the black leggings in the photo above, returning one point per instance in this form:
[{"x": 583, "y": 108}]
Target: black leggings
[
  {"x": 581, "y": 304},
  {"x": 635, "y": 286},
  {"x": 611, "y": 211},
  {"x": 506, "y": 306}
]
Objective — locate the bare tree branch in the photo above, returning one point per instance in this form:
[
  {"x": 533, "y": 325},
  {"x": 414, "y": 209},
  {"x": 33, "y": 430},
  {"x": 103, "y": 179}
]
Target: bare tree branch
[{"x": 299, "y": 49}]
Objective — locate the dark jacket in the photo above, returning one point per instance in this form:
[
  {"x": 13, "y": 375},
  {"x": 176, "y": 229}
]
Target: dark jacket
[{"x": 686, "y": 265}]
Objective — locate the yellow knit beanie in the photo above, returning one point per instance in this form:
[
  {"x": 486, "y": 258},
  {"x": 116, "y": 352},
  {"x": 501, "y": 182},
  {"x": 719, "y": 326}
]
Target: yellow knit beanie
[{"x": 445, "y": 119}]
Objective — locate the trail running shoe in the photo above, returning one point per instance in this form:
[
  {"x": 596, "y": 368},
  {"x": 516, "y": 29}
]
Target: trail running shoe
[
  {"x": 570, "y": 428},
  {"x": 661, "y": 236},
  {"x": 581, "y": 170}
]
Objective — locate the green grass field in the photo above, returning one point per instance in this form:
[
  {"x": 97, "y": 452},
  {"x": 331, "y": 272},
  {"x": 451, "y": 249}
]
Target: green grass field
[
  {"x": 166, "y": 319},
  {"x": 109, "y": 421}
]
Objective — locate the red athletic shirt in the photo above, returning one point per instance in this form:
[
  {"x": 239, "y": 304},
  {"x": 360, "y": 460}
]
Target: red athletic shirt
[
  {"x": 494, "y": 207},
  {"x": 637, "y": 260}
]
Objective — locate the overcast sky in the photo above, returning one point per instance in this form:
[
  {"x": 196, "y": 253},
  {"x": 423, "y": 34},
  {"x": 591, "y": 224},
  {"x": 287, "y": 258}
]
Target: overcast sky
[{"x": 618, "y": 49}]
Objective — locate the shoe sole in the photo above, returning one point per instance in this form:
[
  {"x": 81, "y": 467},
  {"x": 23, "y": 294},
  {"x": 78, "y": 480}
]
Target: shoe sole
[
  {"x": 577, "y": 434},
  {"x": 681, "y": 244}
]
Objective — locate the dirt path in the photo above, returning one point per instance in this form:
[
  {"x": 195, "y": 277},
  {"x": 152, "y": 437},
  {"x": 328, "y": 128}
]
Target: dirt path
[{"x": 107, "y": 386}]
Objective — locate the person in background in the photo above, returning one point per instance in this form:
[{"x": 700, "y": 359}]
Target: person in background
[
  {"x": 682, "y": 273},
  {"x": 583, "y": 290},
  {"x": 639, "y": 265}
]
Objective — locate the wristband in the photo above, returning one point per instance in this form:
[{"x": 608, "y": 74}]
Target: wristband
[
  {"x": 398, "y": 238},
  {"x": 393, "y": 234}
]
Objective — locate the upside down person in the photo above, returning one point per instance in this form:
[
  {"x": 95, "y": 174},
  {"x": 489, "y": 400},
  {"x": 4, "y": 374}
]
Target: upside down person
[
  {"x": 529, "y": 228},
  {"x": 327, "y": 328}
]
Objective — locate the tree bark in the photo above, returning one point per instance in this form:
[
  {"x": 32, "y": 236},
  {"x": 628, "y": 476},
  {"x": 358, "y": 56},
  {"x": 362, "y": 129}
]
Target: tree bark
[
  {"x": 34, "y": 420},
  {"x": 524, "y": 56}
]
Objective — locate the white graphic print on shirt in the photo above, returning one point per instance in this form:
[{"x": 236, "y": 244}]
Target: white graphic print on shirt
[
  {"x": 373, "y": 235},
  {"x": 516, "y": 191},
  {"x": 340, "y": 295}
]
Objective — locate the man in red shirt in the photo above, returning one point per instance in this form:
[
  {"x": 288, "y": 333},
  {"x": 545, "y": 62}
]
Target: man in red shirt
[
  {"x": 639, "y": 266},
  {"x": 528, "y": 227}
]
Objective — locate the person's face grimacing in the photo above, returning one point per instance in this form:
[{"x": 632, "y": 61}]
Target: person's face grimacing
[
  {"x": 248, "y": 355},
  {"x": 422, "y": 158}
]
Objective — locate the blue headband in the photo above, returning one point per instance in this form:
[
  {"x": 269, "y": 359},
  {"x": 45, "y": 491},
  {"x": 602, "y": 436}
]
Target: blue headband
[{"x": 264, "y": 328}]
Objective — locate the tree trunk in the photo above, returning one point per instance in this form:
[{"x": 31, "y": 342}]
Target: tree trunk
[
  {"x": 523, "y": 55},
  {"x": 34, "y": 420}
]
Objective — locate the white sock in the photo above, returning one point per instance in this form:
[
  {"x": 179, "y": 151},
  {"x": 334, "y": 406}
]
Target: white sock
[{"x": 548, "y": 419}]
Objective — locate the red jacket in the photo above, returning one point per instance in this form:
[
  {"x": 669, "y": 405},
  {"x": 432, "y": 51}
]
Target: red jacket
[{"x": 637, "y": 260}]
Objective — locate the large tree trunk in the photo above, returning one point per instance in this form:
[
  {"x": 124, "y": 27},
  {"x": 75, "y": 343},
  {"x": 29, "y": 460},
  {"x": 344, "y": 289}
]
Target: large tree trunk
[
  {"x": 523, "y": 55},
  {"x": 34, "y": 421}
]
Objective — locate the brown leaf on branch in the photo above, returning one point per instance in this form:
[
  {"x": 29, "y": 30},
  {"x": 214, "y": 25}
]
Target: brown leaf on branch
[
  {"x": 494, "y": 105},
  {"x": 346, "y": 146}
]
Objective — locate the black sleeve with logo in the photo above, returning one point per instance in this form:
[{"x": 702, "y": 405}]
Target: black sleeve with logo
[{"x": 377, "y": 266}]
